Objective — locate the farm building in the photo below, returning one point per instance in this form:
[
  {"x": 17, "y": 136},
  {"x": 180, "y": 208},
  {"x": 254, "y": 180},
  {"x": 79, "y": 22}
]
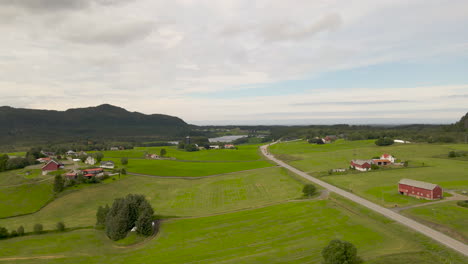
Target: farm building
[
  {"x": 107, "y": 164},
  {"x": 52, "y": 165},
  {"x": 361, "y": 165},
  {"x": 44, "y": 160},
  {"x": 229, "y": 146},
  {"x": 90, "y": 160},
  {"x": 420, "y": 189},
  {"x": 92, "y": 172},
  {"x": 388, "y": 157}
]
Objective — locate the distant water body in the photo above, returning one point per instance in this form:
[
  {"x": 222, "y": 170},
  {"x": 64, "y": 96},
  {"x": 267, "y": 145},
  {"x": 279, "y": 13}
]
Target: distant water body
[{"x": 226, "y": 138}]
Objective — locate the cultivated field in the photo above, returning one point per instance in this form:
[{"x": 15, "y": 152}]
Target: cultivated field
[
  {"x": 243, "y": 153},
  {"x": 293, "y": 232},
  {"x": 379, "y": 186},
  {"x": 447, "y": 217},
  {"x": 189, "y": 169},
  {"x": 169, "y": 197}
]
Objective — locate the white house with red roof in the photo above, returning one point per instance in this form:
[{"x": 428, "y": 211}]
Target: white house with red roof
[{"x": 387, "y": 157}]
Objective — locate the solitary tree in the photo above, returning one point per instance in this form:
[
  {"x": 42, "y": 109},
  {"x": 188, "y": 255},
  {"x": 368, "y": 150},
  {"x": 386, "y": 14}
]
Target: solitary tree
[
  {"x": 60, "y": 226},
  {"x": 124, "y": 160},
  {"x": 340, "y": 252},
  {"x": 163, "y": 152},
  {"x": 38, "y": 228},
  {"x": 58, "y": 183},
  {"x": 101, "y": 216},
  {"x": 309, "y": 190},
  {"x": 98, "y": 156},
  {"x": 20, "y": 230},
  {"x": 145, "y": 219},
  {"x": 3, "y": 232}
]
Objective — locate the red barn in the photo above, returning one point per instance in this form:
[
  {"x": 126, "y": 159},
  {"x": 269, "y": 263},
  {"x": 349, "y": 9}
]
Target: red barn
[
  {"x": 52, "y": 165},
  {"x": 420, "y": 189},
  {"x": 361, "y": 165}
]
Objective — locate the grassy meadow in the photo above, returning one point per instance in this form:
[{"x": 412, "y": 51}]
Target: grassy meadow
[
  {"x": 22, "y": 193},
  {"x": 447, "y": 217},
  {"x": 293, "y": 232},
  {"x": 242, "y": 153},
  {"x": 379, "y": 186},
  {"x": 188, "y": 169},
  {"x": 170, "y": 197}
]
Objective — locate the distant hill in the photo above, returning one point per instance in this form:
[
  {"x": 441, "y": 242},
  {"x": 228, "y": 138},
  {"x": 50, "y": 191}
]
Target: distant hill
[
  {"x": 30, "y": 125},
  {"x": 463, "y": 123}
]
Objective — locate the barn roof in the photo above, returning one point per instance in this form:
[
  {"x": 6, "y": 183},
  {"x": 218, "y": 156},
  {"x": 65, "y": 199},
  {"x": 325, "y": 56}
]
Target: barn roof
[{"x": 419, "y": 184}]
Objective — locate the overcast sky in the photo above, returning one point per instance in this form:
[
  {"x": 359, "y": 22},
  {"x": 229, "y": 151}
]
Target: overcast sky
[{"x": 240, "y": 62}]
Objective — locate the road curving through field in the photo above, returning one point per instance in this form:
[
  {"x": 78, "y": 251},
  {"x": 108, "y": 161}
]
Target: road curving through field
[{"x": 423, "y": 229}]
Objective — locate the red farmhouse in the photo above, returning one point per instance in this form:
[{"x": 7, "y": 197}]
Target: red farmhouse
[
  {"x": 52, "y": 166},
  {"x": 420, "y": 189}
]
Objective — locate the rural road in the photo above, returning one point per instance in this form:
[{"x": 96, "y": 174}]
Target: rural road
[{"x": 423, "y": 229}]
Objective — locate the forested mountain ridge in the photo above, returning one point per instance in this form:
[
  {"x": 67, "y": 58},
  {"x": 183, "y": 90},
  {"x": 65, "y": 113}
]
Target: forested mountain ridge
[{"x": 19, "y": 124}]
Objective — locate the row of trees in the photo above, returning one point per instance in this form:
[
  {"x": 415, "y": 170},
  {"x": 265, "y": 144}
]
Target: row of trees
[
  {"x": 124, "y": 214},
  {"x": 37, "y": 229}
]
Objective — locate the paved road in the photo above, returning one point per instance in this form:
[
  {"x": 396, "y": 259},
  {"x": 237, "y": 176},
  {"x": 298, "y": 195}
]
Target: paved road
[{"x": 423, "y": 229}]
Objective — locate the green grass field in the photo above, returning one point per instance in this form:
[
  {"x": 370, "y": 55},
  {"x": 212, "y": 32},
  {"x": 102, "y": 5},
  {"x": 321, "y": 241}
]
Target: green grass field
[
  {"x": 294, "y": 232},
  {"x": 243, "y": 153},
  {"x": 21, "y": 193},
  {"x": 171, "y": 197},
  {"x": 443, "y": 215},
  {"x": 378, "y": 186},
  {"x": 188, "y": 169}
]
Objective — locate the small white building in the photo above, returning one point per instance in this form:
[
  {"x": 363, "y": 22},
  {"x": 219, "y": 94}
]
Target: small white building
[
  {"x": 107, "y": 164},
  {"x": 90, "y": 160},
  {"x": 214, "y": 147}
]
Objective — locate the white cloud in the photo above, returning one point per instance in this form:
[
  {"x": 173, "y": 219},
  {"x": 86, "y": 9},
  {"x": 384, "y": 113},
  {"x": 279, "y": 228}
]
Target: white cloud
[{"x": 149, "y": 55}]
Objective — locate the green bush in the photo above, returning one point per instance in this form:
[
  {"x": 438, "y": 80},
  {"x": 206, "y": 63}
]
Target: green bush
[
  {"x": 60, "y": 226},
  {"x": 20, "y": 231},
  {"x": 3, "y": 233},
  {"x": 38, "y": 228},
  {"x": 309, "y": 190},
  {"x": 340, "y": 252},
  {"x": 463, "y": 203}
]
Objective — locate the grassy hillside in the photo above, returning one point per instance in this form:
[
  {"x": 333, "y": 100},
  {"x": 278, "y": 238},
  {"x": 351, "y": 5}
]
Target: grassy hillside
[
  {"x": 171, "y": 197},
  {"x": 287, "y": 233}
]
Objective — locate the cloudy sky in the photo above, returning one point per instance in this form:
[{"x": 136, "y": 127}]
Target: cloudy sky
[{"x": 240, "y": 62}]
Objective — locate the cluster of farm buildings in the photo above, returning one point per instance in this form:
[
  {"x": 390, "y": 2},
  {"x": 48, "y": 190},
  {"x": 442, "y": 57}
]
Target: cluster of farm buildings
[
  {"x": 418, "y": 189},
  {"x": 51, "y": 163},
  {"x": 366, "y": 165}
]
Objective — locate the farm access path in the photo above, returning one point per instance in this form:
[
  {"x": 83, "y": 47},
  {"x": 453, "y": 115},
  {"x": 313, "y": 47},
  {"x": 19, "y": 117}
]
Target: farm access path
[{"x": 423, "y": 229}]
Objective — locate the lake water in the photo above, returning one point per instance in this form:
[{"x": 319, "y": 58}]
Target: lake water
[{"x": 226, "y": 138}]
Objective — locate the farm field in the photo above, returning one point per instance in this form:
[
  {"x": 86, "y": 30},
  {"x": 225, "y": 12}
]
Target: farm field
[
  {"x": 293, "y": 232},
  {"x": 379, "y": 186},
  {"x": 188, "y": 169},
  {"x": 443, "y": 215},
  {"x": 21, "y": 193},
  {"x": 169, "y": 197},
  {"x": 243, "y": 153}
]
